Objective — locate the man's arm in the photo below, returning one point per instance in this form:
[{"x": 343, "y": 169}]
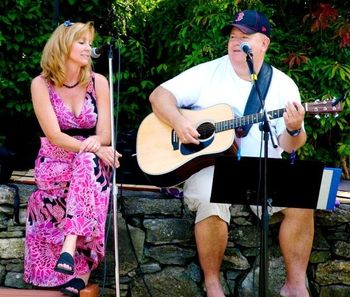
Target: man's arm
[{"x": 164, "y": 106}]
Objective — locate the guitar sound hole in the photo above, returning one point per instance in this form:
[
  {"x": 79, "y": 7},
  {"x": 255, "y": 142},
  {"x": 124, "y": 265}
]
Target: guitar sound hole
[{"x": 206, "y": 130}]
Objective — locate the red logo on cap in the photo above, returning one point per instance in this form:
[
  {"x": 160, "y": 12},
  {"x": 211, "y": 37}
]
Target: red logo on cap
[
  {"x": 263, "y": 29},
  {"x": 240, "y": 16}
]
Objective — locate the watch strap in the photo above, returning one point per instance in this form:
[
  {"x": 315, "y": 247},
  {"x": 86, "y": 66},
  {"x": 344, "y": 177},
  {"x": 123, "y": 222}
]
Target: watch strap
[{"x": 294, "y": 132}]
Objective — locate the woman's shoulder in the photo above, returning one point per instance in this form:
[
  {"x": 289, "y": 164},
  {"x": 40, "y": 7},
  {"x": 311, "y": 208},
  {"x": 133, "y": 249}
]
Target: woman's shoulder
[
  {"x": 100, "y": 81},
  {"x": 99, "y": 77},
  {"x": 39, "y": 89},
  {"x": 38, "y": 82},
  {"x": 37, "y": 79}
]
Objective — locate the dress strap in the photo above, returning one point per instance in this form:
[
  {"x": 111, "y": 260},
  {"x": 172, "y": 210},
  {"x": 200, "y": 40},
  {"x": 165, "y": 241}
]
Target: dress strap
[
  {"x": 91, "y": 90},
  {"x": 93, "y": 80}
]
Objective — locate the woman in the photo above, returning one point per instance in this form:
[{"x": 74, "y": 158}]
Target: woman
[{"x": 66, "y": 215}]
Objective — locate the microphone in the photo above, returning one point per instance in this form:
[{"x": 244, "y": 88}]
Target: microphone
[
  {"x": 245, "y": 48},
  {"x": 97, "y": 51}
]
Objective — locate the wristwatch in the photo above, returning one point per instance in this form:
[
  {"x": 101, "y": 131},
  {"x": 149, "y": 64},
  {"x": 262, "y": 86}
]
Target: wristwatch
[{"x": 294, "y": 132}]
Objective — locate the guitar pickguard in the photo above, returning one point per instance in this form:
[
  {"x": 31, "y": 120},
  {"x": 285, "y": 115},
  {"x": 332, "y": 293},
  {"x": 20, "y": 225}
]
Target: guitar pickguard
[{"x": 190, "y": 148}]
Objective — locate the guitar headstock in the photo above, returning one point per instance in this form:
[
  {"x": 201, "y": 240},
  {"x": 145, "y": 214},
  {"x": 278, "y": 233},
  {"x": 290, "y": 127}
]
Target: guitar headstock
[{"x": 325, "y": 106}]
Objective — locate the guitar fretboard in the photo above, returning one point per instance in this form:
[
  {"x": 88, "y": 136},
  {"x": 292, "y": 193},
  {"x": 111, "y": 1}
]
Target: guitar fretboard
[
  {"x": 247, "y": 120},
  {"x": 207, "y": 129}
]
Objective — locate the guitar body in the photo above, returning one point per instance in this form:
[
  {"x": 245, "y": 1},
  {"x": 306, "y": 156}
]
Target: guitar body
[{"x": 166, "y": 161}]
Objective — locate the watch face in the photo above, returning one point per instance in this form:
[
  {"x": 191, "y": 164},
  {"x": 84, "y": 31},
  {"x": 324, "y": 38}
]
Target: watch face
[{"x": 294, "y": 132}]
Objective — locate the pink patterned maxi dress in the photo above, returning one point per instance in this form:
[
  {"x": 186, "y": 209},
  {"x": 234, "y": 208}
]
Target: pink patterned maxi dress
[{"x": 72, "y": 196}]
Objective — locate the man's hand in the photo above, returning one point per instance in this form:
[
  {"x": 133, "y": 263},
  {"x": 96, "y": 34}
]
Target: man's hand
[
  {"x": 185, "y": 130},
  {"x": 294, "y": 115}
]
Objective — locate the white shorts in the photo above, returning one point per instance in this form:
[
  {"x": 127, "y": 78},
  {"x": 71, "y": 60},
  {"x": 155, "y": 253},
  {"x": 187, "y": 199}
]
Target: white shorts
[
  {"x": 271, "y": 210},
  {"x": 197, "y": 192}
]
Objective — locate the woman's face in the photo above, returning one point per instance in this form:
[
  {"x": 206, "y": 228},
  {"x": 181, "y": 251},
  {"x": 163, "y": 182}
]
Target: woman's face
[{"x": 81, "y": 50}]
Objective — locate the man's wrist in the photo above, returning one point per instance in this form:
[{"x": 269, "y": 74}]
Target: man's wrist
[{"x": 293, "y": 133}]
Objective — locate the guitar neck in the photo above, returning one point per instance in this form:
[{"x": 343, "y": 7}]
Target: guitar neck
[
  {"x": 247, "y": 120},
  {"x": 317, "y": 107}
]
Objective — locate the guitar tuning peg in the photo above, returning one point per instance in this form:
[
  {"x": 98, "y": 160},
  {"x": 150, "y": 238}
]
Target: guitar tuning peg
[
  {"x": 317, "y": 116},
  {"x": 326, "y": 115},
  {"x": 336, "y": 115}
]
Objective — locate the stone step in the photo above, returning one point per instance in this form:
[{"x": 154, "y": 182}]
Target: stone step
[{"x": 91, "y": 290}]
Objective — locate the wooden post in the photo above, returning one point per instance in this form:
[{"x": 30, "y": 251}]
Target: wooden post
[
  {"x": 91, "y": 290},
  {"x": 5, "y": 292}
]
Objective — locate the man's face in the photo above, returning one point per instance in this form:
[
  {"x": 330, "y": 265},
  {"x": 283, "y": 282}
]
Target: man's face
[{"x": 258, "y": 43}]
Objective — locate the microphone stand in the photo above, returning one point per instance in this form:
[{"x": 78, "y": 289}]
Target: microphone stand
[
  {"x": 114, "y": 184},
  {"x": 265, "y": 127}
]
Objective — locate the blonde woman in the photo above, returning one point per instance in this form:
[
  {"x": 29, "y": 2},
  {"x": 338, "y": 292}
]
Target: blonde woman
[{"x": 66, "y": 215}]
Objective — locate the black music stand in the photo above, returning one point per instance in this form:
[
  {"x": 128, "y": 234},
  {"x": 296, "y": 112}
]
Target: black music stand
[
  {"x": 298, "y": 184},
  {"x": 301, "y": 185}
]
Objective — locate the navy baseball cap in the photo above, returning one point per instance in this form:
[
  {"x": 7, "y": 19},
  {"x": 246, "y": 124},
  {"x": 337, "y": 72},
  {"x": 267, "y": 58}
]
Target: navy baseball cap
[{"x": 249, "y": 22}]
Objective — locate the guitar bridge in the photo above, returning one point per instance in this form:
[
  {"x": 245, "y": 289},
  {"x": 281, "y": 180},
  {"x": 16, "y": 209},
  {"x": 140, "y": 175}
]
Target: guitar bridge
[{"x": 174, "y": 140}]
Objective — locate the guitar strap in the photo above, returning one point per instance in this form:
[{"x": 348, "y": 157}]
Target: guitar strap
[{"x": 253, "y": 104}]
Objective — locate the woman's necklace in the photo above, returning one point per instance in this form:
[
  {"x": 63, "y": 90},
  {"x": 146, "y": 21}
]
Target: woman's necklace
[{"x": 73, "y": 86}]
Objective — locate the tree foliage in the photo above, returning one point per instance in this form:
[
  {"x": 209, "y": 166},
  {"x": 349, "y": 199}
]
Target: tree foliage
[
  {"x": 156, "y": 39},
  {"x": 315, "y": 53},
  {"x": 25, "y": 27}
]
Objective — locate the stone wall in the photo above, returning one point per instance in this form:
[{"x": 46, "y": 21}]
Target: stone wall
[{"x": 157, "y": 255}]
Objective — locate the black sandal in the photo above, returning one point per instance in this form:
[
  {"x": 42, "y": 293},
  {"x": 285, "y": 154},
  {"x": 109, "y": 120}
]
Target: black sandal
[
  {"x": 67, "y": 259},
  {"x": 76, "y": 283}
]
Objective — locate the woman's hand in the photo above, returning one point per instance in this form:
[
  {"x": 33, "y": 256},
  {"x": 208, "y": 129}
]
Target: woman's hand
[
  {"x": 91, "y": 144},
  {"x": 108, "y": 155}
]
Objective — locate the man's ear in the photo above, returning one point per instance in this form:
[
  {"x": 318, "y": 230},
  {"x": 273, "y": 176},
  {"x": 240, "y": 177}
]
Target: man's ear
[{"x": 265, "y": 43}]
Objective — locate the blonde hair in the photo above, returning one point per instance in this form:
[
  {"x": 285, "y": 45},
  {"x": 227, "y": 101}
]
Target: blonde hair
[{"x": 57, "y": 50}]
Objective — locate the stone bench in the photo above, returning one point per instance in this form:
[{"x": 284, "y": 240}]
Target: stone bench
[{"x": 157, "y": 253}]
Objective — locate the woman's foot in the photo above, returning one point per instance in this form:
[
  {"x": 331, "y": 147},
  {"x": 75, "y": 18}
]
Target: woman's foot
[
  {"x": 73, "y": 287},
  {"x": 65, "y": 263}
]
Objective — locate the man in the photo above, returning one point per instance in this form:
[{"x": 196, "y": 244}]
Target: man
[{"x": 228, "y": 80}]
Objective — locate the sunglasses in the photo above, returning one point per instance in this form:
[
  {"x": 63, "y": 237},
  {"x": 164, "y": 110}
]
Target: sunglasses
[{"x": 68, "y": 23}]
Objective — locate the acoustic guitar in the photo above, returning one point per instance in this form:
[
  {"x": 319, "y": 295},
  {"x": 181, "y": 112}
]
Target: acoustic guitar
[{"x": 166, "y": 161}]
